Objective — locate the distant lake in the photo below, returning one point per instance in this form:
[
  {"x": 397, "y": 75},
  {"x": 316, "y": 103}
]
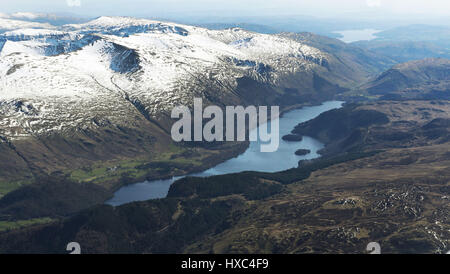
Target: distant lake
[
  {"x": 251, "y": 160},
  {"x": 350, "y": 36}
]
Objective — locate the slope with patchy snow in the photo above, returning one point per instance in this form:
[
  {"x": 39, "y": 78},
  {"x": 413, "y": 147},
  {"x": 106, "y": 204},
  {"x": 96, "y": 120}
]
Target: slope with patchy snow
[{"x": 67, "y": 75}]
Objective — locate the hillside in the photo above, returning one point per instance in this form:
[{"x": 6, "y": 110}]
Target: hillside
[
  {"x": 394, "y": 193},
  {"x": 421, "y": 79}
]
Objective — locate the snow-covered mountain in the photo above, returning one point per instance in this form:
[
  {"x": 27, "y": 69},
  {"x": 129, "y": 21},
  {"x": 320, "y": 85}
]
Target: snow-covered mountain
[
  {"x": 7, "y": 24},
  {"x": 67, "y": 74},
  {"x": 79, "y": 94},
  {"x": 53, "y": 19}
]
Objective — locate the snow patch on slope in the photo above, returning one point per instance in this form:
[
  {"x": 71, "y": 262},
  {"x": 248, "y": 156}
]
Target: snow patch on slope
[{"x": 70, "y": 74}]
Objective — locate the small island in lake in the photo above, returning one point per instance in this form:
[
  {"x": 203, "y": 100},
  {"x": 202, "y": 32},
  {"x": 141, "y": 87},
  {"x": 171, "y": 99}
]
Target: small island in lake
[
  {"x": 292, "y": 138},
  {"x": 302, "y": 152}
]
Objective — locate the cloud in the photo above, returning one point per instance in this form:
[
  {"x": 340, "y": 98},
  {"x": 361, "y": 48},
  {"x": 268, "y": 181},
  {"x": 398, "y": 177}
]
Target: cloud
[
  {"x": 73, "y": 3},
  {"x": 373, "y": 3}
]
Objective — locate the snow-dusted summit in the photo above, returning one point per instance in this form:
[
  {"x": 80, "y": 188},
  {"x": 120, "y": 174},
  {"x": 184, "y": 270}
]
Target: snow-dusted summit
[{"x": 60, "y": 79}]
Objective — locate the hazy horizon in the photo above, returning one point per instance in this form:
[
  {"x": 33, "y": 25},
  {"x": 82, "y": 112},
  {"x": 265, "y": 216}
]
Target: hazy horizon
[{"x": 346, "y": 9}]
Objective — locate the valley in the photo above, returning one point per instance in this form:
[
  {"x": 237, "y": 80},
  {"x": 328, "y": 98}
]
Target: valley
[{"x": 85, "y": 115}]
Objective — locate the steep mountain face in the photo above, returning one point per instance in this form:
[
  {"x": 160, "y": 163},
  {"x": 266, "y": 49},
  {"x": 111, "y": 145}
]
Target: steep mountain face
[
  {"x": 422, "y": 79},
  {"x": 103, "y": 90},
  {"x": 417, "y": 32},
  {"x": 151, "y": 64}
]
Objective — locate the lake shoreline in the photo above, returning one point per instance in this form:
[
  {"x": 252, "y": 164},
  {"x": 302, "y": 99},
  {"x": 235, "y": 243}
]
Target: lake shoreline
[{"x": 210, "y": 170}]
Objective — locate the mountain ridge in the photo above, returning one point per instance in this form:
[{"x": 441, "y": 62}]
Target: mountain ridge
[{"x": 79, "y": 98}]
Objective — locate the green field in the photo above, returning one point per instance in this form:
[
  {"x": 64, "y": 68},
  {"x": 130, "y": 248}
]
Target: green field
[{"x": 6, "y": 225}]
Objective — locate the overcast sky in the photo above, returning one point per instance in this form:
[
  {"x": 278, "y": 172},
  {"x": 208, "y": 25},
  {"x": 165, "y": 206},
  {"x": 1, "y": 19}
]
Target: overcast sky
[{"x": 320, "y": 8}]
